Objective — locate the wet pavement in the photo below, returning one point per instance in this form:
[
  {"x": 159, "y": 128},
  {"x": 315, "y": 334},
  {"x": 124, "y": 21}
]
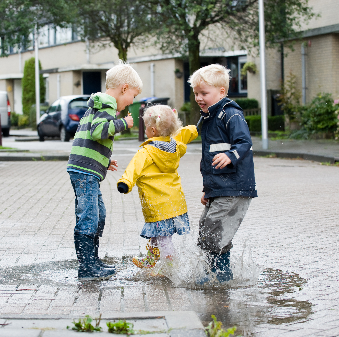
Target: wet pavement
[{"x": 285, "y": 254}]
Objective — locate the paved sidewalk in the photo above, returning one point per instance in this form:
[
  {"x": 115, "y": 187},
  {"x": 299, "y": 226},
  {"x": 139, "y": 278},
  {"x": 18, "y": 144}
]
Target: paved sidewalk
[
  {"x": 284, "y": 256},
  {"x": 26, "y": 141}
]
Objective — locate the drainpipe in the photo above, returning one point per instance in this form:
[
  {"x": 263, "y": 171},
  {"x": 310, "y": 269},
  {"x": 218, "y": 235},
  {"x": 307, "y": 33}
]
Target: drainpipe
[
  {"x": 152, "y": 80},
  {"x": 58, "y": 85},
  {"x": 87, "y": 51},
  {"x": 303, "y": 72},
  {"x": 20, "y": 61}
]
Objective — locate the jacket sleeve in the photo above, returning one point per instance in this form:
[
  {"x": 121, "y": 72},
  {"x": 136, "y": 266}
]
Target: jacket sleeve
[
  {"x": 105, "y": 125},
  {"x": 187, "y": 134},
  {"x": 239, "y": 136},
  {"x": 135, "y": 168}
]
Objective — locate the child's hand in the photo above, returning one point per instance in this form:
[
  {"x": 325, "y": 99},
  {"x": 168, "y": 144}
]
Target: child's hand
[
  {"x": 113, "y": 166},
  {"x": 204, "y": 201},
  {"x": 129, "y": 121},
  {"x": 221, "y": 160}
]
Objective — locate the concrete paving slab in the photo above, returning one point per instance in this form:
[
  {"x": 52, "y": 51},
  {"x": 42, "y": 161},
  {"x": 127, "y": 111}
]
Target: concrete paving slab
[{"x": 151, "y": 323}]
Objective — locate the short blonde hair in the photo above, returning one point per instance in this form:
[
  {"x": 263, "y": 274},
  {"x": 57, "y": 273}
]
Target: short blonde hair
[
  {"x": 123, "y": 73},
  {"x": 163, "y": 118},
  {"x": 214, "y": 74}
]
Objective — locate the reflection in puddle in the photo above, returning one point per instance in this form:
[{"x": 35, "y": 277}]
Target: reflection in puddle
[{"x": 282, "y": 288}]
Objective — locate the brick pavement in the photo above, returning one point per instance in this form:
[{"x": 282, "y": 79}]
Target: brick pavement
[{"x": 291, "y": 229}]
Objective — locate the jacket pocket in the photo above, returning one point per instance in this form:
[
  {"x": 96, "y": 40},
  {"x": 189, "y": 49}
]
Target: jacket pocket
[{"x": 225, "y": 170}]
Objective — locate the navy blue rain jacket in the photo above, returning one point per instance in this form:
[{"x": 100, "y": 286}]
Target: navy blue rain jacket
[{"x": 224, "y": 129}]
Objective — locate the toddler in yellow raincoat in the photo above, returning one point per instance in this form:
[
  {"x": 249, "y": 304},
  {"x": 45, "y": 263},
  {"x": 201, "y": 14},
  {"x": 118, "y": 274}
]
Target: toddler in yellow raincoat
[{"x": 154, "y": 170}]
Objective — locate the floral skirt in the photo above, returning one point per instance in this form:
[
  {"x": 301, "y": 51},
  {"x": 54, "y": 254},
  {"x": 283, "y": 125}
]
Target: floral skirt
[{"x": 179, "y": 224}]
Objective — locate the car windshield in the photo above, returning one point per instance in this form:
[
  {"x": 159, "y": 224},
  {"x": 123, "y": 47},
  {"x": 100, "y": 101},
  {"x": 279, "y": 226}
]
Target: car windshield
[{"x": 78, "y": 103}]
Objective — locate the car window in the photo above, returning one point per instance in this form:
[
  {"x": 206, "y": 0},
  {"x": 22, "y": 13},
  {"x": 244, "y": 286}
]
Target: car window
[
  {"x": 54, "y": 106},
  {"x": 78, "y": 103}
]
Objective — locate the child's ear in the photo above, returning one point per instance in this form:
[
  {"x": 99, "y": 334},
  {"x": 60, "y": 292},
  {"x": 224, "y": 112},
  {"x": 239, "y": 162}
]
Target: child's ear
[
  {"x": 223, "y": 91},
  {"x": 124, "y": 88}
]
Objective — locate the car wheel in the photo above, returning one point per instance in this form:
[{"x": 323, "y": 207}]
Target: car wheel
[
  {"x": 41, "y": 135},
  {"x": 5, "y": 132},
  {"x": 64, "y": 135}
]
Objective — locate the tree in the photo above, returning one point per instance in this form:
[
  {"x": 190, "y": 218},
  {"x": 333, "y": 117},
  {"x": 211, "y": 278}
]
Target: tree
[
  {"x": 18, "y": 18},
  {"x": 183, "y": 22},
  {"x": 28, "y": 86},
  {"x": 120, "y": 23}
]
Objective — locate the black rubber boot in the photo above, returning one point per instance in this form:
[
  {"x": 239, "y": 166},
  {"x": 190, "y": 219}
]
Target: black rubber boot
[
  {"x": 220, "y": 265},
  {"x": 96, "y": 254},
  {"x": 88, "y": 269}
]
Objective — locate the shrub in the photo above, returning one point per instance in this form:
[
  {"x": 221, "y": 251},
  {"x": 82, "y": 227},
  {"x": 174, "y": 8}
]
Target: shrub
[
  {"x": 23, "y": 120},
  {"x": 319, "y": 116},
  {"x": 14, "y": 119},
  {"x": 289, "y": 99},
  {"x": 186, "y": 107},
  {"x": 32, "y": 113},
  {"x": 247, "y": 103},
  {"x": 28, "y": 86},
  {"x": 274, "y": 123}
]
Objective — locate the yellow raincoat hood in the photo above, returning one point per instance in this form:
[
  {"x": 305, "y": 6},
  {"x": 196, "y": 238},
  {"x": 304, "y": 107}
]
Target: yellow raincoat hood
[{"x": 155, "y": 173}]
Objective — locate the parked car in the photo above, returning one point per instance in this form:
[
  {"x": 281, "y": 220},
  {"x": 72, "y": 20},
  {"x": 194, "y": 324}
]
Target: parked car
[
  {"x": 62, "y": 118},
  {"x": 5, "y": 113}
]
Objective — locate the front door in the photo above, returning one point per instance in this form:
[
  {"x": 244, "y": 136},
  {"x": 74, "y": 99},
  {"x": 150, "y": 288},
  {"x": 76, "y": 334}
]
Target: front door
[{"x": 91, "y": 82}]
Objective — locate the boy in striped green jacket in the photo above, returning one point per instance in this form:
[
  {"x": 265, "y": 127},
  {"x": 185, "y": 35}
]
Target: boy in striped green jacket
[{"x": 89, "y": 161}]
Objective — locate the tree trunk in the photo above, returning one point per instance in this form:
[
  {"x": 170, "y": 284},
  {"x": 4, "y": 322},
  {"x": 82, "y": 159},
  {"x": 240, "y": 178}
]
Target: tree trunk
[
  {"x": 122, "y": 53},
  {"x": 194, "y": 64}
]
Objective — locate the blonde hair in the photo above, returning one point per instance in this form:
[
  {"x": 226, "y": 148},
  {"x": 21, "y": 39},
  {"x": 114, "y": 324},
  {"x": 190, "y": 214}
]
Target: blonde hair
[
  {"x": 163, "y": 118},
  {"x": 215, "y": 75},
  {"x": 123, "y": 73}
]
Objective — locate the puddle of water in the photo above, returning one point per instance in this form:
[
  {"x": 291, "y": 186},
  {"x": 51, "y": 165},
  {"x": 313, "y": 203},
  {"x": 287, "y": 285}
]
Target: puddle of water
[{"x": 254, "y": 297}]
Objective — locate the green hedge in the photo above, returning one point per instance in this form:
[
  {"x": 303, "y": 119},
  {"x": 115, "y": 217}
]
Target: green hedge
[
  {"x": 275, "y": 123},
  {"x": 28, "y": 86},
  {"x": 32, "y": 113},
  {"x": 247, "y": 103}
]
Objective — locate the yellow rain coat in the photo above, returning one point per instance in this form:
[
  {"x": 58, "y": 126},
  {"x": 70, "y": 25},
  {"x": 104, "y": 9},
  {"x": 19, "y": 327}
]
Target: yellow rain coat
[{"x": 155, "y": 173}]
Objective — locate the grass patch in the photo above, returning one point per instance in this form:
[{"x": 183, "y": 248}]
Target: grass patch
[{"x": 6, "y": 148}]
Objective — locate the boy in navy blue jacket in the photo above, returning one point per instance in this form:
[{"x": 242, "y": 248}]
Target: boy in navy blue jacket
[{"x": 226, "y": 166}]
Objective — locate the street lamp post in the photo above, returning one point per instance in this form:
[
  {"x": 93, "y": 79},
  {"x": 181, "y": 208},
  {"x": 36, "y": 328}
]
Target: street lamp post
[
  {"x": 37, "y": 75},
  {"x": 263, "y": 76}
]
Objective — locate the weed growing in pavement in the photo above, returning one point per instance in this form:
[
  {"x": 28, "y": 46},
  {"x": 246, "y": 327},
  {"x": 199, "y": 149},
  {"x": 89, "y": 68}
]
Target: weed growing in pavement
[
  {"x": 330, "y": 164},
  {"x": 214, "y": 329},
  {"x": 85, "y": 324},
  {"x": 120, "y": 327},
  {"x": 271, "y": 155}
]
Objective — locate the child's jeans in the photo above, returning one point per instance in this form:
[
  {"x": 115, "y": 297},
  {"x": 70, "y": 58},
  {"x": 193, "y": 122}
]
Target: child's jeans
[
  {"x": 220, "y": 221},
  {"x": 165, "y": 245},
  {"x": 90, "y": 211}
]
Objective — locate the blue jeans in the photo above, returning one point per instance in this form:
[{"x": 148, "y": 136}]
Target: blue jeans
[{"x": 90, "y": 211}]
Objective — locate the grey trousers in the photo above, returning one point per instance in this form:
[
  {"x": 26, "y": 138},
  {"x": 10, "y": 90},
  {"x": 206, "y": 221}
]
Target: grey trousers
[{"x": 220, "y": 221}]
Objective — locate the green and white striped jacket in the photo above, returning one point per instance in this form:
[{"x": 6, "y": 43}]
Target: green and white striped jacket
[{"x": 93, "y": 140}]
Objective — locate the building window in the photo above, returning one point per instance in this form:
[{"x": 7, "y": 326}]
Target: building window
[{"x": 238, "y": 82}]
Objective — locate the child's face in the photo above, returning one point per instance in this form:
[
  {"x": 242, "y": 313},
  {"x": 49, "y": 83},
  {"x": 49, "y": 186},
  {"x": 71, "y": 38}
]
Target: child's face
[
  {"x": 126, "y": 97},
  {"x": 207, "y": 95}
]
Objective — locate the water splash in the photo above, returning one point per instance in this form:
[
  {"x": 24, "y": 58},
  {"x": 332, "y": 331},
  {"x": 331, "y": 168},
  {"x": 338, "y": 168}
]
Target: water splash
[{"x": 189, "y": 267}]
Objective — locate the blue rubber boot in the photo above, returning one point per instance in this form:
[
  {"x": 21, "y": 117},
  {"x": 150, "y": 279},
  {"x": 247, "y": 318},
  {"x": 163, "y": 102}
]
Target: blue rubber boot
[
  {"x": 88, "y": 268},
  {"x": 96, "y": 254},
  {"x": 220, "y": 265}
]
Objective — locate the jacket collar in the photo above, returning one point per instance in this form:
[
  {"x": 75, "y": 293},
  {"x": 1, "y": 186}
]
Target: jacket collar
[
  {"x": 161, "y": 139},
  {"x": 213, "y": 109}
]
